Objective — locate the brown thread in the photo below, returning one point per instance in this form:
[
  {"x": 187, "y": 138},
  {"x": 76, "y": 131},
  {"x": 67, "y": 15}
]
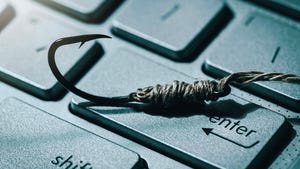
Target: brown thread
[{"x": 202, "y": 90}]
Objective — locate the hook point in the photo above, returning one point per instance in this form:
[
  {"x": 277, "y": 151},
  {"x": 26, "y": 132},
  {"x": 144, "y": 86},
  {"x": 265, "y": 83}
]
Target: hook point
[
  {"x": 90, "y": 37},
  {"x": 81, "y": 44}
]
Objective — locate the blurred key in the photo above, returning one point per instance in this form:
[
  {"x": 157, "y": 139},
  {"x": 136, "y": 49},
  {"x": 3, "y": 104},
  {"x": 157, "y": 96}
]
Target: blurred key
[
  {"x": 230, "y": 133},
  {"x": 24, "y": 51},
  {"x": 173, "y": 28},
  {"x": 32, "y": 138},
  {"x": 85, "y": 10},
  {"x": 288, "y": 7},
  {"x": 6, "y": 13},
  {"x": 260, "y": 44},
  {"x": 296, "y": 164}
]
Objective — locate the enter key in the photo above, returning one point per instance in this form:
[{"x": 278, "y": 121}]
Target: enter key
[
  {"x": 237, "y": 134},
  {"x": 252, "y": 137}
]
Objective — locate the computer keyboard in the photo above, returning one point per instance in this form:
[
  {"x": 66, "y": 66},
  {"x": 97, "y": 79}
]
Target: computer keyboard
[
  {"x": 32, "y": 42},
  {"x": 52, "y": 140},
  {"x": 172, "y": 28},
  {"x": 277, "y": 51},
  {"x": 42, "y": 125}
]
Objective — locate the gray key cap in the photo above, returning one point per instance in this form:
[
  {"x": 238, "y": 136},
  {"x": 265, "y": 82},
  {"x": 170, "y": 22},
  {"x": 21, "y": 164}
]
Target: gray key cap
[
  {"x": 90, "y": 11},
  {"x": 23, "y": 61},
  {"x": 296, "y": 164},
  {"x": 31, "y": 138},
  {"x": 6, "y": 13},
  {"x": 260, "y": 44},
  {"x": 155, "y": 24},
  {"x": 288, "y": 7},
  {"x": 238, "y": 135}
]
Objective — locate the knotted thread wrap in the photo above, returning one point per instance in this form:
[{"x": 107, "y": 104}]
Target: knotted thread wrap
[
  {"x": 179, "y": 92},
  {"x": 202, "y": 90}
]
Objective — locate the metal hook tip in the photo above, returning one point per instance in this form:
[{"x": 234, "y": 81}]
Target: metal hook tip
[{"x": 85, "y": 38}]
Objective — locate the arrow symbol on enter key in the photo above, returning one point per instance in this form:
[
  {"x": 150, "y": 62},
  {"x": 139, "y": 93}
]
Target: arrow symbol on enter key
[{"x": 208, "y": 131}]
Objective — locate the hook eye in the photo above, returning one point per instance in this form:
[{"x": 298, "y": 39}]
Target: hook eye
[{"x": 68, "y": 85}]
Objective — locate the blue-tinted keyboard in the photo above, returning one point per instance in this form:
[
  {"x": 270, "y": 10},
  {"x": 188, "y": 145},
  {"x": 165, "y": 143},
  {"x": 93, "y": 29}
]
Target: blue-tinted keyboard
[{"x": 42, "y": 125}]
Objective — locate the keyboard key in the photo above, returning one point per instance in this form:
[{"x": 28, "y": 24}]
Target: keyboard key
[
  {"x": 236, "y": 134},
  {"x": 260, "y": 44},
  {"x": 23, "y": 61},
  {"x": 32, "y": 138},
  {"x": 89, "y": 11},
  {"x": 173, "y": 28},
  {"x": 6, "y": 13},
  {"x": 296, "y": 164},
  {"x": 288, "y": 7}
]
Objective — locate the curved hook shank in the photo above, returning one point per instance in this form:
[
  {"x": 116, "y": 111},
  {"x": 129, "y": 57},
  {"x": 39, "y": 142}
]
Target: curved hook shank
[
  {"x": 68, "y": 85},
  {"x": 76, "y": 39}
]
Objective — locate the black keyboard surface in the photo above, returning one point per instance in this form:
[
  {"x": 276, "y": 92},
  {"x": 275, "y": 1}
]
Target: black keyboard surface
[{"x": 42, "y": 125}]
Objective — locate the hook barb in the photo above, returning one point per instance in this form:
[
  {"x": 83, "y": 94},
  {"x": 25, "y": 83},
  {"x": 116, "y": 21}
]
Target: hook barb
[{"x": 68, "y": 85}]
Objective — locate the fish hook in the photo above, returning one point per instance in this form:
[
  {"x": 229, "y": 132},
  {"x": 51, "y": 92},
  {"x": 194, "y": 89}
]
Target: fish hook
[{"x": 68, "y": 85}]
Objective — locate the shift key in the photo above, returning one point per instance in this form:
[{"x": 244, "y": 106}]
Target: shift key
[{"x": 32, "y": 138}]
